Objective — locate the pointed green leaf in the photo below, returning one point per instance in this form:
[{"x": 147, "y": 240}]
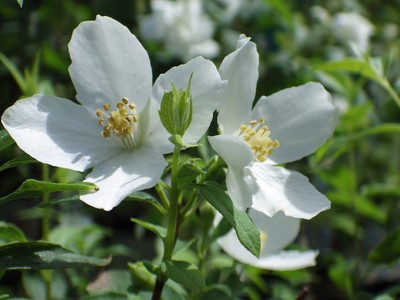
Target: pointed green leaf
[
  {"x": 32, "y": 188},
  {"x": 18, "y": 77},
  {"x": 388, "y": 250},
  {"x": 42, "y": 255},
  {"x": 184, "y": 273},
  {"x": 22, "y": 160},
  {"x": 20, "y": 2},
  {"x": 10, "y": 233},
  {"x": 352, "y": 65},
  {"x": 246, "y": 231},
  {"x": 157, "y": 229},
  {"x": 147, "y": 198},
  {"x": 5, "y": 139}
]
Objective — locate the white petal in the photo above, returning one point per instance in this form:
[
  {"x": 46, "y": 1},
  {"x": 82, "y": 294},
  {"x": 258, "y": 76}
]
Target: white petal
[
  {"x": 58, "y": 132},
  {"x": 108, "y": 63},
  {"x": 240, "y": 186},
  {"x": 234, "y": 151},
  {"x": 280, "y": 231},
  {"x": 240, "y": 68},
  {"x": 288, "y": 260},
  {"x": 206, "y": 90},
  {"x": 300, "y": 118},
  {"x": 122, "y": 175},
  {"x": 280, "y": 189}
]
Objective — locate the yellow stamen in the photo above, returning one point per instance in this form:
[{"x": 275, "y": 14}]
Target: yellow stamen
[
  {"x": 121, "y": 123},
  {"x": 258, "y": 137}
]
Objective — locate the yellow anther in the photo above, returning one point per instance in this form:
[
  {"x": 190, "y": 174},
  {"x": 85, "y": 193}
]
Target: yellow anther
[
  {"x": 263, "y": 240},
  {"x": 257, "y": 136},
  {"x": 121, "y": 123}
]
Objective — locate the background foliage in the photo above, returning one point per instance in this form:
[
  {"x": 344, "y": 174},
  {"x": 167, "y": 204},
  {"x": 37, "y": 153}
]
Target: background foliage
[{"x": 358, "y": 169}]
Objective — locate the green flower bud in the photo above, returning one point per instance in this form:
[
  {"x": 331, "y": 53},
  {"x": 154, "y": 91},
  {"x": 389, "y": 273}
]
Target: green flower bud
[{"x": 176, "y": 110}]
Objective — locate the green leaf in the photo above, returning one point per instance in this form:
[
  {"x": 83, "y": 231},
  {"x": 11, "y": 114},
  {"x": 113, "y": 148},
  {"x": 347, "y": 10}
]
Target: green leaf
[
  {"x": 10, "y": 233},
  {"x": 388, "y": 250},
  {"x": 184, "y": 273},
  {"x": 20, "y": 2},
  {"x": 157, "y": 229},
  {"x": 354, "y": 65},
  {"x": 32, "y": 188},
  {"x": 5, "y": 139},
  {"x": 18, "y": 77},
  {"x": 43, "y": 255},
  {"x": 147, "y": 198},
  {"x": 246, "y": 231},
  {"x": 22, "y": 160}
]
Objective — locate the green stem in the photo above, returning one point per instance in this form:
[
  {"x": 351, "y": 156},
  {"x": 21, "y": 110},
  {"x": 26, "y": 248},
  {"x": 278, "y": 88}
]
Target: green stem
[
  {"x": 173, "y": 224},
  {"x": 46, "y": 211},
  {"x": 46, "y": 227},
  {"x": 391, "y": 91}
]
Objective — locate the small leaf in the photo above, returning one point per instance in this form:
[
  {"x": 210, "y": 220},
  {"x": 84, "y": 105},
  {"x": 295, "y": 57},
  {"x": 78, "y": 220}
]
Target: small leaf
[
  {"x": 18, "y": 77},
  {"x": 20, "y": 2},
  {"x": 246, "y": 231},
  {"x": 388, "y": 250},
  {"x": 352, "y": 65},
  {"x": 10, "y": 233},
  {"x": 157, "y": 229},
  {"x": 32, "y": 188},
  {"x": 147, "y": 198},
  {"x": 183, "y": 273},
  {"x": 5, "y": 139},
  {"x": 22, "y": 160},
  {"x": 42, "y": 255}
]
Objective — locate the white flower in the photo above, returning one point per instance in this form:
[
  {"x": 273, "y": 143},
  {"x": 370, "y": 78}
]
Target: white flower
[
  {"x": 116, "y": 130},
  {"x": 183, "y": 26},
  {"x": 276, "y": 233},
  {"x": 281, "y": 128},
  {"x": 352, "y": 27}
]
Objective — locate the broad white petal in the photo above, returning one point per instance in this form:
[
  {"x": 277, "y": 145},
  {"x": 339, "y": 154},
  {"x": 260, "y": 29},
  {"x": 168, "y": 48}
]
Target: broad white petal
[
  {"x": 58, "y": 132},
  {"x": 240, "y": 68},
  {"x": 128, "y": 172},
  {"x": 108, "y": 63},
  {"x": 280, "y": 189},
  {"x": 234, "y": 151},
  {"x": 278, "y": 231},
  {"x": 301, "y": 118},
  {"x": 206, "y": 90},
  {"x": 288, "y": 260},
  {"x": 240, "y": 186}
]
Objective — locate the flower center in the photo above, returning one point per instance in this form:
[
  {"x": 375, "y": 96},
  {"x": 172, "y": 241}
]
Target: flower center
[
  {"x": 263, "y": 240},
  {"x": 121, "y": 123},
  {"x": 257, "y": 135}
]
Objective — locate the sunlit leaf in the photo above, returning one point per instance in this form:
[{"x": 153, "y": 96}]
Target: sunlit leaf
[
  {"x": 157, "y": 229},
  {"x": 246, "y": 231},
  {"x": 42, "y": 255},
  {"x": 21, "y": 160},
  {"x": 32, "y": 188},
  {"x": 20, "y": 2},
  {"x": 184, "y": 273},
  {"x": 5, "y": 139}
]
